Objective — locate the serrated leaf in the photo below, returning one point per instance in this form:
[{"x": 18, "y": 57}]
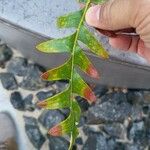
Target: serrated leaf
[
  {"x": 57, "y": 45},
  {"x": 59, "y": 73},
  {"x": 84, "y": 63},
  {"x": 82, "y": 89},
  {"x": 61, "y": 100},
  {"x": 70, "y": 20},
  {"x": 87, "y": 38},
  {"x": 93, "y": 1},
  {"x": 67, "y": 126}
]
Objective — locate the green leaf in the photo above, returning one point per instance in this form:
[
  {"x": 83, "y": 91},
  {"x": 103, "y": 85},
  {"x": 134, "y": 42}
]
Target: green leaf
[
  {"x": 57, "y": 45},
  {"x": 59, "y": 73},
  {"x": 67, "y": 71},
  {"x": 61, "y": 100},
  {"x": 93, "y": 1},
  {"x": 87, "y": 38},
  {"x": 68, "y": 126},
  {"x": 82, "y": 89},
  {"x": 70, "y": 20},
  {"x": 84, "y": 63}
]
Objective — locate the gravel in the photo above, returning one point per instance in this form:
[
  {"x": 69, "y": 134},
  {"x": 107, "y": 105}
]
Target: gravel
[{"x": 117, "y": 121}]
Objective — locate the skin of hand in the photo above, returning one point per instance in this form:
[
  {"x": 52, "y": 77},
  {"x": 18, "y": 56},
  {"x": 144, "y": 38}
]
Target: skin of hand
[{"x": 124, "y": 14}]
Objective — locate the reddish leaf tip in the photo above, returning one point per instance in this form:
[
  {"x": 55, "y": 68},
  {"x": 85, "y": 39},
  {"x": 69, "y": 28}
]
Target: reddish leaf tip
[
  {"x": 42, "y": 104},
  {"x": 92, "y": 72},
  {"x": 88, "y": 94},
  {"x": 45, "y": 75},
  {"x": 56, "y": 131}
]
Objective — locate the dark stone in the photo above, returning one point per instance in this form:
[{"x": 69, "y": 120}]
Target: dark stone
[
  {"x": 114, "y": 145},
  {"x": 146, "y": 109},
  {"x": 135, "y": 97},
  {"x": 18, "y": 66},
  {"x": 114, "y": 108},
  {"x": 96, "y": 142},
  {"x": 115, "y": 130},
  {"x": 82, "y": 121},
  {"x": 30, "y": 121},
  {"x": 50, "y": 118},
  {"x": 138, "y": 134},
  {"x": 84, "y": 105},
  {"x": 146, "y": 95},
  {"x": 137, "y": 113},
  {"x": 33, "y": 132},
  {"x": 100, "y": 90},
  {"x": 28, "y": 103},
  {"x": 5, "y": 54},
  {"x": 132, "y": 147},
  {"x": 61, "y": 85},
  {"x": 44, "y": 95},
  {"x": 79, "y": 141},
  {"x": 32, "y": 80},
  {"x": 8, "y": 81},
  {"x": 17, "y": 101},
  {"x": 58, "y": 143}
]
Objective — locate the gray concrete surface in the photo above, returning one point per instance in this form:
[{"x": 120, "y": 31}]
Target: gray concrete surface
[{"x": 40, "y": 17}]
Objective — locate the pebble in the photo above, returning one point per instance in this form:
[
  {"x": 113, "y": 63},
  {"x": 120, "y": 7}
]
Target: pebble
[
  {"x": 28, "y": 103},
  {"x": 44, "y": 95},
  {"x": 58, "y": 143},
  {"x": 114, "y": 108},
  {"x": 18, "y": 66},
  {"x": 33, "y": 132},
  {"x": 17, "y": 101},
  {"x": 5, "y": 54},
  {"x": 32, "y": 80},
  {"x": 49, "y": 118},
  {"x": 8, "y": 81}
]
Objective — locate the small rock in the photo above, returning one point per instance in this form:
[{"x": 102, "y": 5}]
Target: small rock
[
  {"x": 135, "y": 97},
  {"x": 61, "y": 85},
  {"x": 138, "y": 134},
  {"x": 58, "y": 143},
  {"x": 132, "y": 147},
  {"x": 32, "y": 80},
  {"x": 18, "y": 66},
  {"x": 114, "y": 145},
  {"x": 115, "y": 130},
  {"x": 146, "y": 95},
  {"x": 50, "y": 118},
  {"x": 28, "y": 103},
  {"x": 84, "y": 105},
  {"x": 79, "y": 141},
  {"x": 114, "y": 108},
  {"x": 96, "y": 142},
  {"x": 8, "y": 81},
  {"x": 5, "y": 54},
  {"x": 33, "y": 132},
  {"x": 136, "y": 114},
  {"x": 100, "y": 90},
  {"x": 30, "y": 121},
  {"x": 44, "y": 95},
  {"x": 17, "y": 101}
]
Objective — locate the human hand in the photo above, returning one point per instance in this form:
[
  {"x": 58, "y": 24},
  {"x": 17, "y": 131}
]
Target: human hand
[{"x": 124, "y": 14}]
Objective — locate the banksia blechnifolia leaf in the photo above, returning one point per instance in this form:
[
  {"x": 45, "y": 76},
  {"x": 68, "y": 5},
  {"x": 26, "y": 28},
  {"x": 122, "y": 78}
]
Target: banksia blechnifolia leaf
[{"x": 67, "y": 71}]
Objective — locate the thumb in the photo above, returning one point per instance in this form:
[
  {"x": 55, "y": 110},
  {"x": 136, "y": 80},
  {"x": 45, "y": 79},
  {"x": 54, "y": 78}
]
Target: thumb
[{"x": 112, "y": 15}]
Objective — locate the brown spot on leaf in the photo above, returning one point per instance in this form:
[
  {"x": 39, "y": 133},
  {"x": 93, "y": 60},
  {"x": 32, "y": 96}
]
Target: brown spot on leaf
[
  {"x": 45, "y": 75},
  {"x": 92, "y": 72},
  {"x": 56, "y": 131},
  {"x": 42, "y": 104},
  {"x": 89, "y": 95}
]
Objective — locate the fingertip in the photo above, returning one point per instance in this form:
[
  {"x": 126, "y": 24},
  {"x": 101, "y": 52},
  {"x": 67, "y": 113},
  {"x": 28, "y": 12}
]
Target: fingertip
[{"x": 92, "y": 15}]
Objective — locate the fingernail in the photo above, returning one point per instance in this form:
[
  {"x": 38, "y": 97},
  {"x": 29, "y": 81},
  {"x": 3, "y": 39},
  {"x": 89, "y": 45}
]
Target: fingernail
[{"x": 92, "y": 15}]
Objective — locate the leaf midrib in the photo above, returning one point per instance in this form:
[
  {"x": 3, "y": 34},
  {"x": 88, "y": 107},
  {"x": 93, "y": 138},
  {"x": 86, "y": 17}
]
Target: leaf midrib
[{"x": 73, "y": 57}]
